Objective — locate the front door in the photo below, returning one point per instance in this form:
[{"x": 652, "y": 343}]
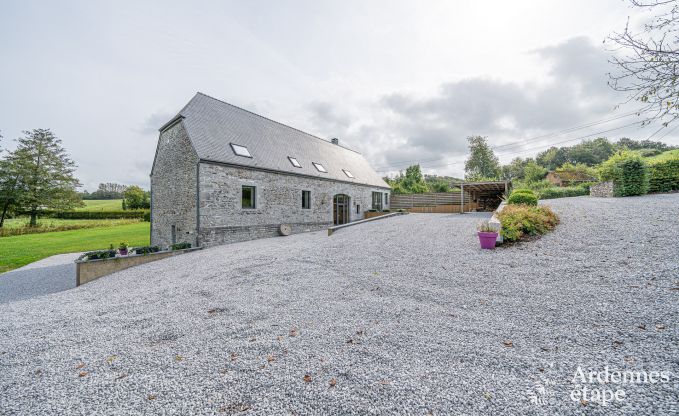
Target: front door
[{"x": 340, "y": 209}]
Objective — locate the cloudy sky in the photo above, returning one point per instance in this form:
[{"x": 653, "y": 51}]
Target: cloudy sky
[{"x": 401, "y": 82}]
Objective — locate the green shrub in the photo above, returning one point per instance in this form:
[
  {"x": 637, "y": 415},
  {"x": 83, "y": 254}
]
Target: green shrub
[
  {"x": 92, "y": 215},
  {"x": 99, "y": 255},
  {"x": 146, "y": 250},
  {"x": 180, "y": 246},
  {"x": 521, "y": 221},
  {"x": 147, "y": 216},
  {"x": 523, "y": 191},
  {"x": 522, "y": 198},
  {"x": 664, "y": 173},
  {"x": 628, "y": 171},
  {"x": 563, "y": 192}
]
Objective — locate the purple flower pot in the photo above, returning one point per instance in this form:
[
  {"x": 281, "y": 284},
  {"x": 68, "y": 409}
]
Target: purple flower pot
[
  {"x": 487, "y": 240},
  {"x": 122, "y": 251}
]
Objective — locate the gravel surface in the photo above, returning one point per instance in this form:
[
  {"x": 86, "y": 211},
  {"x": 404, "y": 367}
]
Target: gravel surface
[
  {"x": 405, "y": 315},
  {"x": 53, "y": 274}
]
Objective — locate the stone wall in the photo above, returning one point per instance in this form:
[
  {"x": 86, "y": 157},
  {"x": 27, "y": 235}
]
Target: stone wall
[
  {"x": 602, "y": 190},
  {"x": 173, "y": 189},
  {"x": 278, "y": 201}
]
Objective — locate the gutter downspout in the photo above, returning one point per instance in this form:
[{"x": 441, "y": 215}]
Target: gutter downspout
[{"x": 198, "y": 204}]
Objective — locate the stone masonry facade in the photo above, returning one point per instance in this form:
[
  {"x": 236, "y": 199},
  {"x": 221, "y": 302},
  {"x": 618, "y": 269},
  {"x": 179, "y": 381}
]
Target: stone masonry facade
[
  {"x": 178, "y": 173},
  {"x": 602, "y": 190},
  {"x": 278, "y": 201},
  {"x": 173, "y": 189}
]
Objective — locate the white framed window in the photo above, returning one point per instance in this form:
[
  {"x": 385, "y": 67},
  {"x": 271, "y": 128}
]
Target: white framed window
[
  {"x": 319, "y": 167},
  {"x": 294, "y": 162},
  {"x": 349, "y": 174},
  {"x": 239, "y": 150}
]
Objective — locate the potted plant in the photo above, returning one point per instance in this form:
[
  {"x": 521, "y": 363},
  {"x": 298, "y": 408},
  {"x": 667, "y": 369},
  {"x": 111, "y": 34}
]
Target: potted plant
[
  {"x": 122, "y": 249},
  {"x": 487, "y": 235}
]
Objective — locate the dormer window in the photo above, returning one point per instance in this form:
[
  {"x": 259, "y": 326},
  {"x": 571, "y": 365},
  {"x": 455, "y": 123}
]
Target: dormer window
[
  {"x": 294, "y": 162},
  {"x": 349, "y": 174},
  {"x": 239, "y": 150},
  {"x": 319, "y": 167}
]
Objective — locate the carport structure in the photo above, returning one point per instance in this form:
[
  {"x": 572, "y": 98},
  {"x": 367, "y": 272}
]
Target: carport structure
[{"x": 486, "y": 195}]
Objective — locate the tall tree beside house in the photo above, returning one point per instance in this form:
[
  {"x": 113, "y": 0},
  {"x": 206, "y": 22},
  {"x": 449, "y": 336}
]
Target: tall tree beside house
[
  {"x": 10, "y": 188},
  {"x": 136, "y": 198},
  {"x": 46, "y": 173},
  {"x": 482, "y": 163},
  {"x": 412, "y": 182}
]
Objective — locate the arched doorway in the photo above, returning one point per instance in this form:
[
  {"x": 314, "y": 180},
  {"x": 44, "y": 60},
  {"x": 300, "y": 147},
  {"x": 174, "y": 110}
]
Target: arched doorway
[{"x": 340, "y": 209}]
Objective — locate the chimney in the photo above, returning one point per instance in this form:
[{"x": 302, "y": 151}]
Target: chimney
[{"x": 334, "y": 140}]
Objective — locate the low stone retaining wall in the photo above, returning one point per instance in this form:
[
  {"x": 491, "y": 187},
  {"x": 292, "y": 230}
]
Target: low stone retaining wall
[
  {"x": 386, "y": 215},
  {"x": 374, "y": 214},
  {"x": 88, "y": 270},
  {"x": 602, "y": 189}
]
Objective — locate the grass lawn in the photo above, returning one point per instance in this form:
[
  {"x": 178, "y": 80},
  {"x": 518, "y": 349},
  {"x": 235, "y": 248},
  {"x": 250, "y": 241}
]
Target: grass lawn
[
  {"x": 20, "y": 250},
  {"x": 102, "y": 205}
]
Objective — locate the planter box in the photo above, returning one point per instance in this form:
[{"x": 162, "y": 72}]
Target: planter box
[{"x": 88, "y": 270}]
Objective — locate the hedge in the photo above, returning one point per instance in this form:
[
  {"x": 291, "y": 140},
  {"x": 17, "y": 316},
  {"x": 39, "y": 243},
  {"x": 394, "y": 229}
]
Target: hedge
[
  {"x": 563, "y": 192},
  {"x": 93, "y": 215},
  {"x": 522, "y": 197},
  {"x": 628, "y": 171},
  {"x": 664, "y": 175}
]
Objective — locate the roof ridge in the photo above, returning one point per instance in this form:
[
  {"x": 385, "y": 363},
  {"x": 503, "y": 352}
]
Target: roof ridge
[{"x": 268, "y": 119}]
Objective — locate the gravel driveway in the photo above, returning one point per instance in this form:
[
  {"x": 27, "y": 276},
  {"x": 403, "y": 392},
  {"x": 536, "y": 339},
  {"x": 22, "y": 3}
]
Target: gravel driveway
[{"x": 403, "y": 315}]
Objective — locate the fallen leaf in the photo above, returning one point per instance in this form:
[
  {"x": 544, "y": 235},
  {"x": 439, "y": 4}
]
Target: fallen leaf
[
  {"x": 307, "y": 378},
  {"x": 660, "y": 327},
  {"x": 643, "y": 327},
  {"x": 82, "y": 374},
  {"x": 234, "y": 356},
  {"x": 151, "y": 397},
  {"x": 270, "y": 358},
  {"x": 333, "y": 382},
  {"x": 80, "y": 365},
  {"x": 293, "y": 332},
  {"x": 508, "y": 343},
  {"x": 617, "y": 344},
  {"x": 584, "y": 402},
  {"x": 122, "y": 376},
  {"x": 630, "y": 360},
  {"x": 178, "y": 358},
  {"x": 487, "y": 395},
  {"x": 279, "y": 338},
  {"x": 111, "y": 358}
]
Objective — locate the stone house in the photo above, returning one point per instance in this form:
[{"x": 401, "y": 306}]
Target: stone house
[{"x": 223, "y": 174}]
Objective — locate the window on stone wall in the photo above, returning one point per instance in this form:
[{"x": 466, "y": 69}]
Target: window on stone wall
[
  {"x": 240, "y": 150},
  {"x": 306, "y": 199},
  {"x": 377, "y": 201},
  {"x": 248, "y": 196},
  {"x": 386, "y": 198},
  {"x": 358, "y": 209}
]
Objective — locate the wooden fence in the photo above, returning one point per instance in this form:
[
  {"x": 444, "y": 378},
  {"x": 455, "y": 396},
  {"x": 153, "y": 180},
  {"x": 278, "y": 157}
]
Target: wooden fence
[{"x": 433, "y": 202}]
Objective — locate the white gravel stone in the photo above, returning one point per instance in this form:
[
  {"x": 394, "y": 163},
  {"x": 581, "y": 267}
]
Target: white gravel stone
[{"x": 407, "y": 314}]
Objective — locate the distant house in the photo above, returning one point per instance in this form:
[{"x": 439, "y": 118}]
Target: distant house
[
  {"x": 223, "y": 174},
  {"x": 568, "y": 178}
]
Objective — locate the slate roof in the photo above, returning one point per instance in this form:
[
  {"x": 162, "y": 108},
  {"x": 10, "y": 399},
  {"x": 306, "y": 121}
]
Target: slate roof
[{"x": 213, "y": 124}]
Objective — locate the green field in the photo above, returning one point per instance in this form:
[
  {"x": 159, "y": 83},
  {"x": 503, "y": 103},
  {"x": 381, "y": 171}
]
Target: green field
[
  {"x": 20, "y": 250},
  {"x": 102, "y": 205}
]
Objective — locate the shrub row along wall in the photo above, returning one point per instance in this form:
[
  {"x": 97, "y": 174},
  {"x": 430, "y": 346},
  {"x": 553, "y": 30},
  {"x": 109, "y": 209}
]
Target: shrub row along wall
[
  {"x": 664, "y": 175},
  {"x": 93, "y": 215}
]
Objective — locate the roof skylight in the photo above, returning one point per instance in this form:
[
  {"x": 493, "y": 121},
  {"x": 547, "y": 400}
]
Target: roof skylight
[
  {"x": 240, "y": 150},
  {"x": 319, "y": 167},
  {"x": 294, "y": 162},
  {"x": 346, "y": 172}
]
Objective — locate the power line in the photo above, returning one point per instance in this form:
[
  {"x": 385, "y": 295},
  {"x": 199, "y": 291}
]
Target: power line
[{"x": 544, "y": 136}]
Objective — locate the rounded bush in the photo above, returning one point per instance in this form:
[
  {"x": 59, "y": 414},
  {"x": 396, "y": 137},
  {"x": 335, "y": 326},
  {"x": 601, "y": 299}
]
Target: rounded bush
[
  {"x": 522, "y": 198},
  {"x": 523, "y": 191}
]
